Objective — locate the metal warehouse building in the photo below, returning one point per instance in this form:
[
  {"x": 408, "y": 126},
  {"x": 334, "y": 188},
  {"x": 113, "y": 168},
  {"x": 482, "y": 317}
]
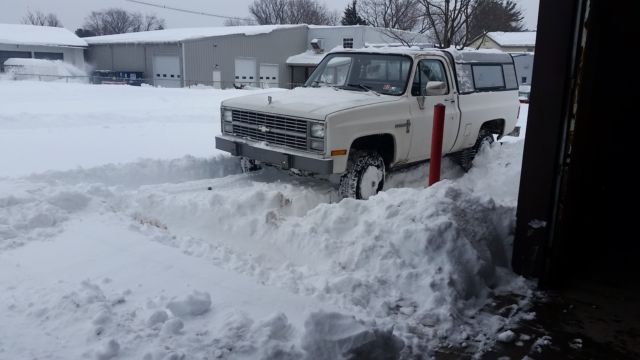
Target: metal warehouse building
[
  {"x": 40, "y": 42},
  {"x": 220, "y": 56},
  {"x": 261, "y": 56}
]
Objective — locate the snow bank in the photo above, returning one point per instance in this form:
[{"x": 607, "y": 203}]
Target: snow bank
[
  {"x": 40, "y": 69},
  {"x": 145, "y": 172},
  {"x": 420, "y": 261},
  {"x": 103, "y": 124},
  {"x": 186, "y": 256}
]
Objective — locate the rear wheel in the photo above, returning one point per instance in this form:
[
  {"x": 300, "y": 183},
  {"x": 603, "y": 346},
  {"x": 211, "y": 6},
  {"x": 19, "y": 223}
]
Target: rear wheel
[
  {"x": 364, "y": 176},
  {"x": 466, "y": 156}
]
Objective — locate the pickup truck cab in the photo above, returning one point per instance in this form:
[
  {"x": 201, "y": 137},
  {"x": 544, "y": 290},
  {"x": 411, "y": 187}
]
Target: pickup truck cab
[{"x": 367, "y": 111}]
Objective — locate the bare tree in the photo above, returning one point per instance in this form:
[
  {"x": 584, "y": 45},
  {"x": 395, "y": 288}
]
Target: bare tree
[
  {"x": 391, "y": 14},
  {"x": 267, "y": 12},
  {"x": 310, "y": 12},
  {"x": 119, "y": 21},
  {"x": 239, "y": 22},
  {"x": 449, "y": 21},
  {"x": 41, "y": 19}
]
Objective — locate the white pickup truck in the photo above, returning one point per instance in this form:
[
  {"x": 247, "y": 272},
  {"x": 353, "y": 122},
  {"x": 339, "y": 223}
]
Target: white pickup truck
[{"x": 367, "y": 111}]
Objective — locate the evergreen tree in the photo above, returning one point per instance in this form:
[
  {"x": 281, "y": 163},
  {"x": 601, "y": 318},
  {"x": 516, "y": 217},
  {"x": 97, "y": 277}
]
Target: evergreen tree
[
  {"x": 495, "y": 15},
  {"x": 351, "y": 16}
]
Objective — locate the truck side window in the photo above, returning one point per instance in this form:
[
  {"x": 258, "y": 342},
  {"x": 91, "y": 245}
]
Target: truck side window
[{"x": 427, "y": 70}]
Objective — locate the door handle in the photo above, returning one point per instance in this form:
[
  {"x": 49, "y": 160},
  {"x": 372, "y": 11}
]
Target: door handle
[{"x": 451, "y": 100}]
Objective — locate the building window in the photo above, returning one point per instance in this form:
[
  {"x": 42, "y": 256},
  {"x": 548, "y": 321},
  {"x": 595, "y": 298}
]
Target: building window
[
  {"x": 347, "y": 43},
  {"x": 487, "y": 77}
]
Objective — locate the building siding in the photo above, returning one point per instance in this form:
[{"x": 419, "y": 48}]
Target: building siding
[
  {"x": 199, "y": 58},
  {"x": 203, "y": 56},
  {"x": 130, "y": 57}
]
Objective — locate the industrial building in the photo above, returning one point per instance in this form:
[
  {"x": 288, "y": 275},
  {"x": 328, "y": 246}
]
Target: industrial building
[
  {"x": 224, "y": 57},
  {"x": 40, "y": 42}
]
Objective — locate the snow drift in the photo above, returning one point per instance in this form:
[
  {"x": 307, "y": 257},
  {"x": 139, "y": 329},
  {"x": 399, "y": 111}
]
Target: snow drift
[{"x": 185, "y": 257}]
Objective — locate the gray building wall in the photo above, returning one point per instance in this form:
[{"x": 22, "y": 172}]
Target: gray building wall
[
  {"x": 333, "y": 36},
  {"x": 74, "y": 56},
  {"x": 200, "y": 57},
  {"x": 524, "y": 67},
  {"x": 203, "y": 56},
  {"x": 130, "y": 57}
]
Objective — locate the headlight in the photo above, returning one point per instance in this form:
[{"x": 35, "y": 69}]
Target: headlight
[
  {"x": 317, "y": 130},
  {"x": 227, "y": 115},
  {"x": 317, "y": 145},
  {"x": 228, "y": 128}
]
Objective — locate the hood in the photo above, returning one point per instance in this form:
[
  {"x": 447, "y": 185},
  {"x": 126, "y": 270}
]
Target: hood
[{"x": 310, "y": 103}]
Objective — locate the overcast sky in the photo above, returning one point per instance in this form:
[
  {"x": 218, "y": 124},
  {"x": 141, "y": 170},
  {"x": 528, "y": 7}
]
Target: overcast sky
[{"x": 73, "y": 12}]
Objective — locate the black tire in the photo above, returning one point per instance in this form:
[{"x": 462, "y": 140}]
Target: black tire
[
  {"x": 465, "y": 157},
  {"x": 364, "y": 176},
  {"x": 249, "y": 165}
]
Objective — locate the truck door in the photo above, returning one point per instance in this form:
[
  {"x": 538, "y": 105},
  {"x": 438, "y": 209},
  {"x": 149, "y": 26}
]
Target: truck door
[{"x": 431, "y": 70}]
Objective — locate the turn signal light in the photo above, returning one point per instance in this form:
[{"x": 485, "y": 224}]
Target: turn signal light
[{"x": 339, "y": 152}]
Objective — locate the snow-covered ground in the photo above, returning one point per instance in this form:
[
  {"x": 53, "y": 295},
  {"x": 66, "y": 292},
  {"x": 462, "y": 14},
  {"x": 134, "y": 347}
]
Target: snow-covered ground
[{"x": 125, "y": 235}]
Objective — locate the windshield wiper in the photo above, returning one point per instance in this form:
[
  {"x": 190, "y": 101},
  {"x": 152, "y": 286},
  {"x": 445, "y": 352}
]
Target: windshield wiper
[
  {"x": 365, "y": 88},
  {"x": 316, "y": 83}
]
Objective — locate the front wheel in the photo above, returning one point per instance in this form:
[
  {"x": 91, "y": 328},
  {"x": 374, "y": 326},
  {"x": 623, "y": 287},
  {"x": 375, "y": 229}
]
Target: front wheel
[
  {"x": 249, "y": 165},
  {"x": 364, "y": 176}
]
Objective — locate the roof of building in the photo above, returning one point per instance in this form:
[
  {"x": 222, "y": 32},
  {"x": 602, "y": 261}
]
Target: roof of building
[
  {"x": 521, "y": 38},
  {"x": 38, "y": 35},
  {"x": 307, "y": 58},
  {"x": 179, "y": 35}
]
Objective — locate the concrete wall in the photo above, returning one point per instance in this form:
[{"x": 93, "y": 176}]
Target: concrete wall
[
  {"x": 203, "y": 56},
  {"x": 74, "y": 56}
]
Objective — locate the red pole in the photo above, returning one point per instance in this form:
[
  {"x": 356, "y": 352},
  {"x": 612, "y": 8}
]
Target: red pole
[{"x": 436, "y": 144}]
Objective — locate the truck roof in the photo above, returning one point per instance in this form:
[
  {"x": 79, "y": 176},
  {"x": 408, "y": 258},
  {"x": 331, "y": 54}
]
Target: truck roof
[{"x": 459, "y": 56}]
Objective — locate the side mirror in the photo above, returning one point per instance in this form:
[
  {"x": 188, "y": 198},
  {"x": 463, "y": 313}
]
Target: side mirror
[{"x": 435, "y": 88}]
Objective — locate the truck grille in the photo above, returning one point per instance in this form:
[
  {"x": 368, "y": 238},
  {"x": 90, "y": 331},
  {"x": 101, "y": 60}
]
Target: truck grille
[{"x": 272, "y": 129}]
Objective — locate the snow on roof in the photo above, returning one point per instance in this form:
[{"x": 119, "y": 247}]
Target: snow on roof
[
  {"x": 308, "y": 57},
  {"x": 339, "y": 26},
  {"x": 178, "y": 35},
  {"x": 522, "y": 38},
  {"x": 38, "y": 35}
]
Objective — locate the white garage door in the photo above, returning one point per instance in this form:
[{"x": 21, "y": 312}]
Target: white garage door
[
  {"x": 245, "y": 71},
  {"x": 269, "y": 76},
  {"x": 166, "y": 71}
]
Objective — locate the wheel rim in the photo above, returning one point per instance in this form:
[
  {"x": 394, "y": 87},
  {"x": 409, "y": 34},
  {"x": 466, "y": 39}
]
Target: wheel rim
[{"x": 370, "y": 181}]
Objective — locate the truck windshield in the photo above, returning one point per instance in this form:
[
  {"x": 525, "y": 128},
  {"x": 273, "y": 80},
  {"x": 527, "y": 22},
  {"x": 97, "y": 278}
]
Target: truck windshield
[{"x": 381, "y": 73}]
